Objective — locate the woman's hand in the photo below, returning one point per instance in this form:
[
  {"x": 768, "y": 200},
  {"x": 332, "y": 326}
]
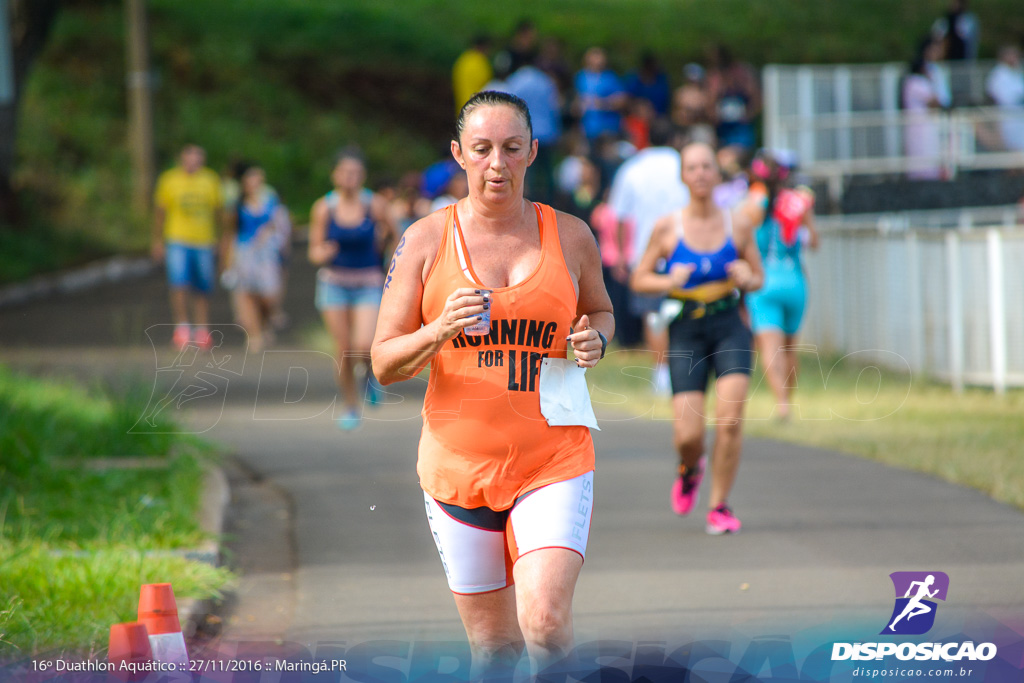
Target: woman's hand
[
  {"x": 464, "y": 307},
  {"x": 586, "y": 343},
  {"x": 680, "y": 274},
  {"x": 265, "y": 234},
  {"x": 157, "y": 251},
  {"x": 741, "y": 274},
  {"x": 324, "y": 252}
]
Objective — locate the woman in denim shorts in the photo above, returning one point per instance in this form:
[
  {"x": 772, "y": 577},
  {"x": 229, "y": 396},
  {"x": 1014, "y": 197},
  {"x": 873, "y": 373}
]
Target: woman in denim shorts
[{"x": 349, "y": 232}]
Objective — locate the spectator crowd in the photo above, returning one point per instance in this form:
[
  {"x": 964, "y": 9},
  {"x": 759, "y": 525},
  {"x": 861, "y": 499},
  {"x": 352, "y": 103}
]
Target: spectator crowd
[{"x": 608, "y": 147}]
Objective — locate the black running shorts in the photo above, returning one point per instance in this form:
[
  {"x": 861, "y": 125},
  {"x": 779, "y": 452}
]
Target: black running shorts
[{"x": 721, "y": 342}]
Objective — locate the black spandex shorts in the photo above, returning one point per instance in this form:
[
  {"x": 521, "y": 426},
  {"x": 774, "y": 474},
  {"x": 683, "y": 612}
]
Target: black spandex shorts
[{"x": 719, "y": 341}]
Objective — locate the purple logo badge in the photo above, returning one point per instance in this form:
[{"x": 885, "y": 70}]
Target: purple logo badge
[{"x": 916, "y": 592}]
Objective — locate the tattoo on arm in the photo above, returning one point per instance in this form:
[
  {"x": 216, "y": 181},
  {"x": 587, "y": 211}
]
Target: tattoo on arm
[{"x": 394, "y": 262}]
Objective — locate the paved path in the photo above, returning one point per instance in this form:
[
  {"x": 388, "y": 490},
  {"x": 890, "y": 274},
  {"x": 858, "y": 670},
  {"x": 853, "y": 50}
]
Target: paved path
[
  {"x": 821, "y": 534},
  {"x": 329, "y": 532}
]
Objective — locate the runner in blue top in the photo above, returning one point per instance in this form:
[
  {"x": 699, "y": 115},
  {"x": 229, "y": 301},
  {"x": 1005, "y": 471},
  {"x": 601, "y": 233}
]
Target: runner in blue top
[
  {"x": 777, "y": 310},
  {"x": 256, "y": 228},
  {"x": 349, "y": 232},
  {"x": 710, "y": 258},
  {"x": 600, "y": 96}
]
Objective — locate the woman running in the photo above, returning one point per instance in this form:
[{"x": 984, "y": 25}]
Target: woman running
[
  {"x": 255, "y": 232},
  {"x": 349, "y": 230},
  {"x": 777, "y": 309},
  {"x": 711, "y": 257},
  {"x": 508, "y": 496}
]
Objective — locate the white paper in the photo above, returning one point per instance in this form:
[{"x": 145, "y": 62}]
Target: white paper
[
  {"x": 564, "y": 397},
  {"x": 169, "y": 648},
  {"x": 660, "y": 320}
]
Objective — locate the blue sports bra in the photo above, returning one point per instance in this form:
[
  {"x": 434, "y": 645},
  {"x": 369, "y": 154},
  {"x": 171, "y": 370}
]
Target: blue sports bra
[
  {"x": 357, "y": 244},
  {"x": 708, "y": 266},
  {"x": 249, "y": 221}
]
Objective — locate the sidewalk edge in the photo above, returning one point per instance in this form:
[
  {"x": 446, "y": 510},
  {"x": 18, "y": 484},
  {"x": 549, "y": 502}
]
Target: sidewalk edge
[
  {"x": 213, "y": 507},
  {"x": 107, "y": 270}
]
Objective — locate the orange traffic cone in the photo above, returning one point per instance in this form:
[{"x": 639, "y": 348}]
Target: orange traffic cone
[
  {"x": 129, "y": 651},
  {"x": 159, "y": 612}
]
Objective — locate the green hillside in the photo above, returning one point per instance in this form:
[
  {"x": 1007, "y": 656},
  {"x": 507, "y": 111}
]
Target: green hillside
[{"x": 287, "y": 82}]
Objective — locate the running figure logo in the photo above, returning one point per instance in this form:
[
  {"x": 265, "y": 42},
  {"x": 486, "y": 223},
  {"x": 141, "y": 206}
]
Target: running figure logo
[
  {"x": 914, "y": 612},
  {"x": 196, "y": 379}
]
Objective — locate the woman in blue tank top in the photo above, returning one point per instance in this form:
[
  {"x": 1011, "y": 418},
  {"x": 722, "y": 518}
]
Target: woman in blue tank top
[
  {"x": 349, "y": 231},
  {"x": 710, "y": 258},
  {"x": 257, "y": 230}
]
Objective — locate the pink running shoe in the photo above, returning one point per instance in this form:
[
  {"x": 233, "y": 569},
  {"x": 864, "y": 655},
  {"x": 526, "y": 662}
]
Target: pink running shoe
[
  {"x": 722, "y": 521},
  {"x": 204, "y": 339},
  {"x": 684, "y": 491},
  {"x": 182, "y": 336}
]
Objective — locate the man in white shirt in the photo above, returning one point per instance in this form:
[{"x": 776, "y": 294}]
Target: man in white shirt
[
  {"x": 1005, "y": 85},
  {"x": 646, "y": 187}
]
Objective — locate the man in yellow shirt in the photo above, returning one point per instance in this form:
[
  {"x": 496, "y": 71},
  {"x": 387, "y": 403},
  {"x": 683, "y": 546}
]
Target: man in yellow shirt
[
  {"x": 471, "y": 71},
  {"x": 188, "y": 204}
]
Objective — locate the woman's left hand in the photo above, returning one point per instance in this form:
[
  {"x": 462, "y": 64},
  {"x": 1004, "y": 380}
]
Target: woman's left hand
[
  {"x": 740, "y": 273},
  {"x": 264, "y": 234},
  {"x": 586, "y": 343}
]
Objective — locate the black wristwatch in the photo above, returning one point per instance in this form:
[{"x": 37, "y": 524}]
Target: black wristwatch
[{"x": 604, "y": 342}]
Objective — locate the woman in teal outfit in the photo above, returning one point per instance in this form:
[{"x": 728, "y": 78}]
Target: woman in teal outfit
[{"x": 777, "y": 309}]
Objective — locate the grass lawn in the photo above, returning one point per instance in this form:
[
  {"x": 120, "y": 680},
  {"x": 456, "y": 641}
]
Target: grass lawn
[
  {"x": 68, "y": 603},
  {"x": 973, "y": 439},
  {"x": 76, "y": 542}
]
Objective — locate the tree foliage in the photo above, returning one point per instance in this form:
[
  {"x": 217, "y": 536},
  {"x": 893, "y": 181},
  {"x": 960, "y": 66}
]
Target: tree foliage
[{"x": 29, "y": 23}]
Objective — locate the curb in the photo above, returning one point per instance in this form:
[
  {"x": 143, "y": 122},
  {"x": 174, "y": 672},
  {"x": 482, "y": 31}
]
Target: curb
[
  {"x": 108, "y": 270},
  {"x": 213, "y": 507},
  {"x": 114, "y": 269}
]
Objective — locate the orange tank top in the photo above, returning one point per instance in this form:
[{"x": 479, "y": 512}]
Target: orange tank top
[{"x": 484, "y": 440}]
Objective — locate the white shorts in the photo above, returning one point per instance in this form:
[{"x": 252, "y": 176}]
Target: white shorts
[{"x": 478, "y": 547}]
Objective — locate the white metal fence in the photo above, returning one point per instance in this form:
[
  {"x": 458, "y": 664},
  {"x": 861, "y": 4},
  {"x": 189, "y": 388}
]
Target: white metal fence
[
  {"x": 963, "y": 218},
  {"x": 845, "y": 120},
  {"x": 811, "y": 90},
  {"x": 948, "y": 302},
  {"x": 941, "y": 143}
]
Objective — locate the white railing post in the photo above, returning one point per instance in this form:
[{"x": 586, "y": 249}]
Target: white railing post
[
  {"x": 842, "y": 80},
  {"x": 841, "y": 311},
  {"x": 773, "y": 94},
  {"x": 954, "y": 293},
  {"x": 997, "y": 310},
  {"x": 966, "y": 138},
  {"x": 916, "y": 303},
  {"x": 948, "y": 141},
  {"x": 881, "y": 339},
  {"x": 892, "y": 74},
  {"x": 805, "y": 115}
]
